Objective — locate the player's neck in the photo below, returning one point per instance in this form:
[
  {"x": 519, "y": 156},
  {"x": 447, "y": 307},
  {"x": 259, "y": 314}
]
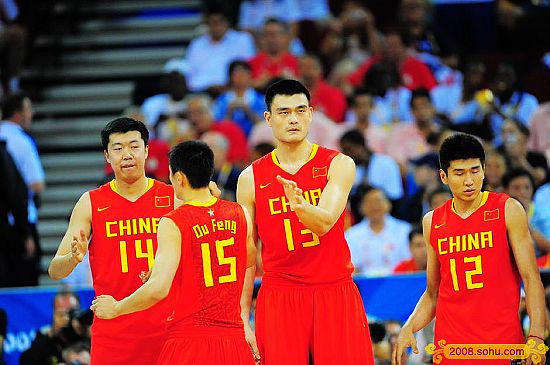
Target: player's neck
[
  {"x": 132, "y": 190},
  {"x": 466, "y": 208},
  {"x": 202, "y": 195},
  {"x": 293, "y": 153}
]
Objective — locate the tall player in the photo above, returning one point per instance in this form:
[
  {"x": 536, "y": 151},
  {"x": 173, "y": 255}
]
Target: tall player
[
  {"x": 479, "y": 250},
  {"x": 124, "y": 216},
  {"x": 204, "y": 249},
  {"x": 308, "y": 309}
]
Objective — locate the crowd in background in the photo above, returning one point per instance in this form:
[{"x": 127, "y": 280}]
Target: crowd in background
[{"x": 388, "y": 81}]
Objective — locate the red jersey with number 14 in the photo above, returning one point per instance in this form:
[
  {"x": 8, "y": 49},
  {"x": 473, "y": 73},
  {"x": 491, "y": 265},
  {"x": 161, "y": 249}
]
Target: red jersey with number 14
[
  {"x": 206, "y": 290},
  {"x": 124, "y": 243},
  {"x": 291, "y": 253},
  {"x": 479, "y": 291}
]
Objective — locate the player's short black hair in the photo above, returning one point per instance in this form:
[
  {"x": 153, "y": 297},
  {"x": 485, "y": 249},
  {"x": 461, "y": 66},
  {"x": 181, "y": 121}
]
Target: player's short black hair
[
  {"x": 285, "y": 87},
  {"x": 123, "y": 125},
  {"x": 460, "y": 146},
  {"x": 13, "y": 104},
  {"x": 195, "y": 160},
  {"x": 415, "y": 229},
  {"x": 514, "y": 174}
]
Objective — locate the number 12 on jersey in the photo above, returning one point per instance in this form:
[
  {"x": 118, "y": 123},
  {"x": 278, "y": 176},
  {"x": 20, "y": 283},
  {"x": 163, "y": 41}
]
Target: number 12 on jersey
[{"x": 478, "y": 269}]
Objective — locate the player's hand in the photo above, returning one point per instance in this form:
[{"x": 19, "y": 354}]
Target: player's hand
[
  {"x": 404, "y": 340},
  {"x": 104, "y": 306},
  {"x": 251, "y": 340},
  {"x": 79, "y": 246},
  {"x": 293, "y": 193},
  {"x": 214, "y": 190},
  {"x": 530, "y": 360}
]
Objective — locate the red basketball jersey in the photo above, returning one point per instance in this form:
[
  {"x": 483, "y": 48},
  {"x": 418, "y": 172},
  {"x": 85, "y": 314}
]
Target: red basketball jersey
[
  {"x": 124, "y": 243},
  {"x": 207, "y": 287},
  {"x": 479, "y": 291},
  {"x": 291, "y": 253}
]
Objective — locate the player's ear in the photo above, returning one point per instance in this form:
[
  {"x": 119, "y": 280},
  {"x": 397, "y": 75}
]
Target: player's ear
[
  {"x": 146, "y": 150},
  {"x": 443, "y": 176},
  {"x": 267, "y": 117},
  {"x": 106, "y": 154}
]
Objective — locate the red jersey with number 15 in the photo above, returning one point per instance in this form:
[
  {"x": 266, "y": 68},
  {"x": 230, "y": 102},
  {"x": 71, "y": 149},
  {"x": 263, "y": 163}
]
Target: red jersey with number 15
[
  {"x": 291, "y": 253},
  {"x": 479, "y": 291},
  {"x": 124, "y": 243},
  {"x": 206, "y": 290}
]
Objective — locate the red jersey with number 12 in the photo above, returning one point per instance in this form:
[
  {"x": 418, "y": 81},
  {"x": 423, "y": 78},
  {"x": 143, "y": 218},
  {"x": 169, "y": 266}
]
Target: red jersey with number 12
[
  {"x": 206, "y": 290},
  {"x": 124, "y": 243},
  {"x": 479, "y": 291},
  {"x": 291, "y": 253}
]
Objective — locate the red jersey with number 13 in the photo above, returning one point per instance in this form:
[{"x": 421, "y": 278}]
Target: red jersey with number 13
[
  {"x": 291, "y": 253},
  {"x": 206, "y": 290},
  {"x": 124, "y": 243},
  {"x": 479, "y": 290}
]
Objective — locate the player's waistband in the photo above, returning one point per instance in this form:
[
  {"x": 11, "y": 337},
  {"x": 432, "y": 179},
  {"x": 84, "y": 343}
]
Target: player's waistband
[
  {"x": 281, "y": 282},
  {"x": 201, "y": 331}
]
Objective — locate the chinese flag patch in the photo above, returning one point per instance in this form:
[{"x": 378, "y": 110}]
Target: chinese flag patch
[
  {"x": 491, "y": 215},
  {"x": 162, "y": 201},
  {"x": 320, "y": 171}
]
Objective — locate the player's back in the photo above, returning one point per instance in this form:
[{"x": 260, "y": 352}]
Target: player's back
[
  {"x": 291, "y": 253},
  {"x": 479, "y": 290},
  {"x": 207, "y": 287}
]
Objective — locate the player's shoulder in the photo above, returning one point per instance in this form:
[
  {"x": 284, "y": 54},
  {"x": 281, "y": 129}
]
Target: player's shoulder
[{"x": 160, "y": 186}]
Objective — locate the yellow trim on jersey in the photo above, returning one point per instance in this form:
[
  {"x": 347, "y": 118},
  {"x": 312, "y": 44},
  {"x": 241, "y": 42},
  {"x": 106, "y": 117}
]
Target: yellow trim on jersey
[
  {"x": 199, "y": 204},
  {"x": 484, "y": 197},
  {"x": 311, "y": 155},
  {"x": 150, "y": 183}
]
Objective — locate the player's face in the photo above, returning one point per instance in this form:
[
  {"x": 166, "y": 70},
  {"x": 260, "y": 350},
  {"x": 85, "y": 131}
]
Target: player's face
[
  {"x": 464, "y": 178},
  {"x": 126, "y": 152},
  {"x": 289, "y": 118}
]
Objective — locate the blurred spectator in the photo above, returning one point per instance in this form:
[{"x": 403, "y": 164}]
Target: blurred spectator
[
  {"x": 539, "y": 140},
  {"x": 208, "y": 56},
  {"x": 509, "y": 101},
  {"x": 77, "y": 354},
  {"x": 260, "y": 150},
  {"x": 17, "y": 114},
  {"x": 47, "y": 346},
  {"x": 241, "y": 103},
  {"x": 538, "y": 78},
  {"x": 414, "y": 74},
  {"x": 515, "y": 136},
  {"x": 3, "y": 333},
  {"x": 162, "y": 108},
  {"x": 409, "y": 141},
  {"x": 199, "y": 112},
  {"x": 15, "y": 230},
  {"x": 419, "y": 256},
  {"x": 274, "y": 59},
  {"x": 13, "y": 39},
  {"x": 495, "y": 169},
  {"x": 519, "y": 184},
  {"x": 362, "y": 108},
  {"x": 372, "y": 169},
  {"x": 156, "y": 165},
  {"x": 379, "y": 242},
  {"x": 324, "y": 97},
  {"x": 225, "y": 173},
  {"x": 438, "y": 197},
  {"x": 423, "y": 179}
]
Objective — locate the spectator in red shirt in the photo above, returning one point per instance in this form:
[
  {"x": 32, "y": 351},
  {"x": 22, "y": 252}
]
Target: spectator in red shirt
[
  {"x": 274, "y": 60},
  {"x": 418, "y": 252},
  {"x": 414, "y": 73},
  {"x": 324, "y": 97}
]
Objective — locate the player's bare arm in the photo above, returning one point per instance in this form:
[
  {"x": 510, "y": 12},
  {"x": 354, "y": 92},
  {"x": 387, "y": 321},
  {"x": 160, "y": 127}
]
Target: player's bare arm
[
  {"x": 74, "y": 245},
  {"x": 248, "y": 287},
  {"x": 320, "y": 219},
  {"x": 424, "y": 311},
  {"x": 524, "y": 254},
  {"x": 157, "y": 287}
]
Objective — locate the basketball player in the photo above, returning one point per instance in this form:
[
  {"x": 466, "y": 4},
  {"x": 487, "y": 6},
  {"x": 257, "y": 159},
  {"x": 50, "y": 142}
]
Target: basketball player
[
  {"x": 204, "y": 249},
  {"x": 479, "y": 250},
  {"x": 308, "y": 309},
  {"x": 123, "y": 215}
]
